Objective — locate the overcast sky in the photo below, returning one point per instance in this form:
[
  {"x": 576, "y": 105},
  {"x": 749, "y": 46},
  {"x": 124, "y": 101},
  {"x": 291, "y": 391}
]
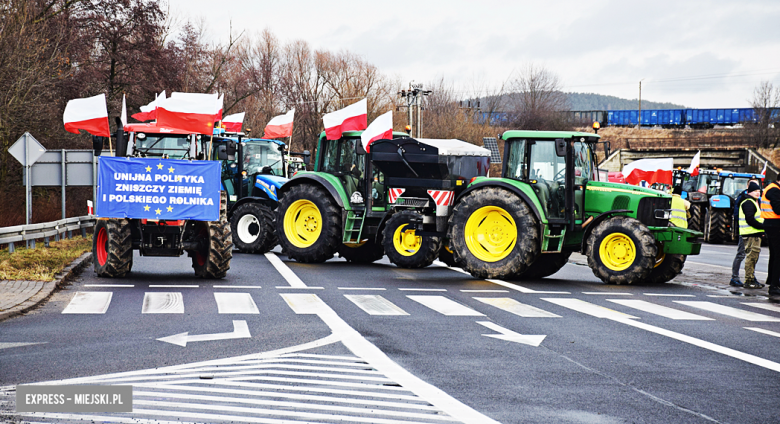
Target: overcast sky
[{"x": 703, "y": 54}]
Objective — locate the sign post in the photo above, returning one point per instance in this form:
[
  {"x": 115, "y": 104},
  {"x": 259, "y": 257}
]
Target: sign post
[{"x": 27, "y": 150}]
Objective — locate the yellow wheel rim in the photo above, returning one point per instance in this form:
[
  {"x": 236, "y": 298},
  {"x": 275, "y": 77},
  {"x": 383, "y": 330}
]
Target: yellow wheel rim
[
  {"x": 617, "y": 251},
  {"x": 659, "y": 259},
  {"x": 406, "y": 242},
  {"x": 490, "y": 234},
  {"x": 302, "y": 223}
]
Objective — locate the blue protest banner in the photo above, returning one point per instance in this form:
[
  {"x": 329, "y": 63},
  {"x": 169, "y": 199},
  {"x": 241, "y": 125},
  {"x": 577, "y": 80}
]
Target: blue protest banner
[{"x": 164, "y": 189}]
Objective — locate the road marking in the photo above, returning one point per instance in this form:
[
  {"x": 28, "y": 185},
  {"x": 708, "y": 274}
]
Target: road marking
[
  {"x": 361, "y": 288},
  {"x": 446, "y": 306},
  {"x": 499, "y": 282},
  {"x": 761, "y": 330},
  {"x": 768, "y": 306},
  {"x": 235, "y": 303},
  {"x": 594, "y": 310},
  {"x": 719, "y": 266},
  {"x": 110, "y": 285},
  {"x": 375, "y": 305},
  {"x": 286, "y": 272},
  {"x": 163, "y": 303},
  {"x": 728, "y": 310},
  {"x": 609, "y": 293},
  {"x": 240, "y": 331},
  {"x": 669, "y": 295},
  {"x": 173, "y": 286},
  {"x": 510, "y": 335},
  {"x": 484, "y": 291},
  {"x": 423, "y": 290},
  {"x": 89, "y": 303},
  {"x": 663, "y": 311},
  {"x": 589, "y": 308},
  {"x": 294, "y": 287},
  {"x": 10, "y": 345},
  {"x": 517, "y": 308},
  {"x": 216, "y": 286}
]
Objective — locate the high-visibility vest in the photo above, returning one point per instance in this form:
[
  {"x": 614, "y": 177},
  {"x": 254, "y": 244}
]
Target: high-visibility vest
[
  {"x": 679, "y": 214},
  {"x": 746, "y": 229},
  {"x": 766, "y": 208}
]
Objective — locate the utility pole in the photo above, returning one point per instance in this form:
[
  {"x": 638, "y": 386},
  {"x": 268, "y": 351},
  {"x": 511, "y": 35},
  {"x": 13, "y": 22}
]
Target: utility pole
[
  {"x": 414, "y": 99},
  {"x": 639, "y": 118}
]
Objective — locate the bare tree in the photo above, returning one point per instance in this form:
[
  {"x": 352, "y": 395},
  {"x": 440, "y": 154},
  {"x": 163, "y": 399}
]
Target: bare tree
[
  {"x": 537, "y": 100},
  {"x": 766, "y": 102}
]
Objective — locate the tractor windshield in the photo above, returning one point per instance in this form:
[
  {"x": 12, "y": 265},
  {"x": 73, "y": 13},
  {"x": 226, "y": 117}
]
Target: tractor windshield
[
  {"x": 344, "y": 158},
  {"x": 170, "y": 146},
  {"x": 703, "y": 184},
  {"x": 733, "y": 186},
  {"x": 262, "y": 156}
]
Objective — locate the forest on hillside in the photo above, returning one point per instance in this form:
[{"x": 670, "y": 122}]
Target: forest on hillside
[{"x": 593, "y": 101}]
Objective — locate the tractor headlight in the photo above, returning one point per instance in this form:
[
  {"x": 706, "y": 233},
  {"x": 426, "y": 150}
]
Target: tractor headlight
[{"x": 663, "y": 214}]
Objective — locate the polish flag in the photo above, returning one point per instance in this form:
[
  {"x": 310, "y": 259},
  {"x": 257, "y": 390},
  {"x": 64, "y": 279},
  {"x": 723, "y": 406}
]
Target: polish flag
[
  {"x": 280, "y": 126},
  {"x": 220, "y": 105},
  {"x": 351, "y": 118},
  {"x": 123, "y": 116},
  {"x": 763, "y": 171},
  {"x": 232, "y": 123},
  {"x": 381, "y": 128},
  {"x": 650, "y": 170},
  {"x": 215, "y": 99},
  {"x": 695, "y": 163},
  {"x": 195, "y": 114},
  {"x": 90, "y": 115},
  {"x": 149, "y": 112}
]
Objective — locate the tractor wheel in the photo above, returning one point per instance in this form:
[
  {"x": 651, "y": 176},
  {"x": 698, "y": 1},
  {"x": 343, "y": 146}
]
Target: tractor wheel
[
  {"x": 695, "y": 222},
  {"x": 621, "y": 250},
  {"x": 666, "y": 267},
  {"x": 363, "y": 253},
  {"x": 718, "y": 232},
  {"x": 112, "y": 247},
  {"x": 308, "y": 224},
  {"x": 213, "y": 259},
  {"x": 545, "y": 265},
  {"x": 253, "y": 228},
  {"x": 493, "y": 234},
  {"x": 446, "y": 256},
  {"x": 404, "y": 247}
]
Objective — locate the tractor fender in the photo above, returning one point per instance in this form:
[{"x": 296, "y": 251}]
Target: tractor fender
[
  {"x": 596, "y": 221},
  {"x": 253, "y": 199},
  {"x": 510, "y": 187},
  {"x": 312, "y": 179},
  {"x": 720, "y": 201}
]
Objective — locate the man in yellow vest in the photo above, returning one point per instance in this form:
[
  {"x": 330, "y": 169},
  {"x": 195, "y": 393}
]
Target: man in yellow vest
[
  {"x": 751, "y": 228},
  {"x": 770, "y": 212},
  {"x": 680, "y": 208}
]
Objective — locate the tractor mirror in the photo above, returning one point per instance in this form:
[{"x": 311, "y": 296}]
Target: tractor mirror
[
  {"x": 222, "y": 152},
  {"x": 97, "y": 144},
  {"x": 560, "y": 147},
  {"x": 121, "y": 140},
  {"x": 230, "y": 149},
  {"x": 306, "y": 157}
]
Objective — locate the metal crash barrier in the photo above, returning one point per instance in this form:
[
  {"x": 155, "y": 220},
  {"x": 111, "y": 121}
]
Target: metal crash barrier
[{"x": 45, "y": 230}]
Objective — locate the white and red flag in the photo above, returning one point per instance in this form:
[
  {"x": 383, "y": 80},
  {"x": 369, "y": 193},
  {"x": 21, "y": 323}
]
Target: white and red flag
[
  {"x": 650, "y": 170},
  {"x": 381, "y": 128},
  {"x": 695, "y": 163},
  {"x": 149, "y": 112},
  {"x": 280, "y": 126},
  {"x": 763, "y": 171},
  {"x": 123, "y": 116},
  {"x": 232, "y": 123},
  {"x": 352, "y": 118},
  {"x": 215, "y": 99},
  {"x": 189, "y": 113},
  {"x": 90, "y": 115}
]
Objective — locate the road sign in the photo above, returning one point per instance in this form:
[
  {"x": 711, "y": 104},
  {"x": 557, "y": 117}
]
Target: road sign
[{"x": 26, "y": 149}]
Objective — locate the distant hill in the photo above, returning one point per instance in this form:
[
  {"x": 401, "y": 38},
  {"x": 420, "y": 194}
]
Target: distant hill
[{"x": 593, "y": 101}]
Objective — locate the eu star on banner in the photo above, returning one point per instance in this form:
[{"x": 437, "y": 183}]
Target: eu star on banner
[{"x": 164, "y": 189}]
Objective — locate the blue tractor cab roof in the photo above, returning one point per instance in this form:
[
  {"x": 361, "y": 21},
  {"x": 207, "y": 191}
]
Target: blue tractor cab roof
[{"x": 741, "y": 175}]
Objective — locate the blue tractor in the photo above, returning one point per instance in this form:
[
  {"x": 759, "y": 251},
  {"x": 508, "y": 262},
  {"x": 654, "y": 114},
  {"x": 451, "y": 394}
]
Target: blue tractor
[
  {"x": 719, "y": 220},
  {"x": 252, "y": 174}
]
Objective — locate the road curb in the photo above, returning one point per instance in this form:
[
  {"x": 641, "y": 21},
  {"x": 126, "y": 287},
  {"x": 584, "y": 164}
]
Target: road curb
[{"x": 49, "y": 287}]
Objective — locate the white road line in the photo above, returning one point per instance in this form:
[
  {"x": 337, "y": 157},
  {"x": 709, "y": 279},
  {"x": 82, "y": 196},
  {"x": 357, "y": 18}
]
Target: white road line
[
  {"x": 216, "y": 286},
  {"x": 768, "y": 306},
  {"x": 718, "y": 266},
  {"x": 588, "y": 308},
  {"x": 89, "y": 303},
  {"x": 761, "y": 330},
  {"x": 375, "y": 305},
  {"x": 235, "y": 303},
  {"x": 294, "y": 287},
  {"x": 522, "y": 289},
  {"x": 110, "y": 285},
  {"x": 423, "y": 290},
  {"x": 173, "y": 286},
  {"x": 617, "y": 317},
  {"x": 362, "y": 288},
  {"x": 446, "y": 306},
  {"x": 729, "y": 311},
  {"x": 283, "y": 269},
  {"x": 669, "y": 295},
  {"x": 517, "y": 308},
  {"x": 484, "y": 291},
  {"x": 163, "y": 303},
  {"x": 663, "y": 311},
  {"x": 608, "y": 293}
]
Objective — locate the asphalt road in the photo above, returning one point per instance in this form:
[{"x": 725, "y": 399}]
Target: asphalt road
[{"x": 340, "y": 342}]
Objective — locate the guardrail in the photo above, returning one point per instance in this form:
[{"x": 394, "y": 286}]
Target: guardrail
[{"x": 45, "y": 230}]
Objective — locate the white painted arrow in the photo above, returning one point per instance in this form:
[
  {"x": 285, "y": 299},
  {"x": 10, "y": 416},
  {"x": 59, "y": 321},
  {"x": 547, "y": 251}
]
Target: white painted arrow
[
  {"x": 511, "y": 336},
  {"x": 240, "y": 331}
]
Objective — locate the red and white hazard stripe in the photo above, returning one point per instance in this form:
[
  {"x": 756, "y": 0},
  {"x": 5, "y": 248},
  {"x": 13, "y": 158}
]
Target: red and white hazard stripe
[
  {"x": 395, "y": 193},
  {"x": 442, "y": 197}
]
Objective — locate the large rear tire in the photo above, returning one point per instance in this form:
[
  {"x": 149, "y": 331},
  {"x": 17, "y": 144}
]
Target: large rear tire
[
  {"x": 621, "y": 250},
  {"x": 308, "y": 224},
  {"x": 112, "y": 248},
  {"x": 404, "y": 247},
  {"x": 213, "y": 259},
  {"x": 666, "y": 268},
  {"x": 545, "y": 265},
  {"x": 696, "y": 221},
  {"x": 365, "y": 253},
  {"x": 253, "y": 228},
  {"x": 718, "y": 232},
  {"x": 493, "y": 233}
]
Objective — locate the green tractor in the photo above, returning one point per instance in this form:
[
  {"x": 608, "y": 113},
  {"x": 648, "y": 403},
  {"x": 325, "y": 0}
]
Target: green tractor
[
  {"x": 394, "y": 200},
  {"x": 550, "y": 203}
]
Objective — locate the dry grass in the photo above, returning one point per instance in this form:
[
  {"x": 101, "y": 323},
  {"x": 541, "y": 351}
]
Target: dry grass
[{"x": 42, "y": 263}]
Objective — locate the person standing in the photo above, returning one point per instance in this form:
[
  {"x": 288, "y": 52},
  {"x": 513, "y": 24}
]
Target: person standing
[
  {"x": 751, "y": 228},
  {"x": 737, "y": 264},
  {"x": 680, "y": 208},
  {"x": 770, "y": 212}
]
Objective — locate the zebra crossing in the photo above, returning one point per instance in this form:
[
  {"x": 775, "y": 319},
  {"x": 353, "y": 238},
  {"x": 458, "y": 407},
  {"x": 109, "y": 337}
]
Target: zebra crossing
[{"x": 98, "y": 302}]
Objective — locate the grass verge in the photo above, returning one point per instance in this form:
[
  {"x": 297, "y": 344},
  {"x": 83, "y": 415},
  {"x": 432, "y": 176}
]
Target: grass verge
[{"x": 42, "y": 263}]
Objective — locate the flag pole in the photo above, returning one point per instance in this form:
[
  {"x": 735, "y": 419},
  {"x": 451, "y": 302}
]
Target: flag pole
[{"x": 110, "y": 149}]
